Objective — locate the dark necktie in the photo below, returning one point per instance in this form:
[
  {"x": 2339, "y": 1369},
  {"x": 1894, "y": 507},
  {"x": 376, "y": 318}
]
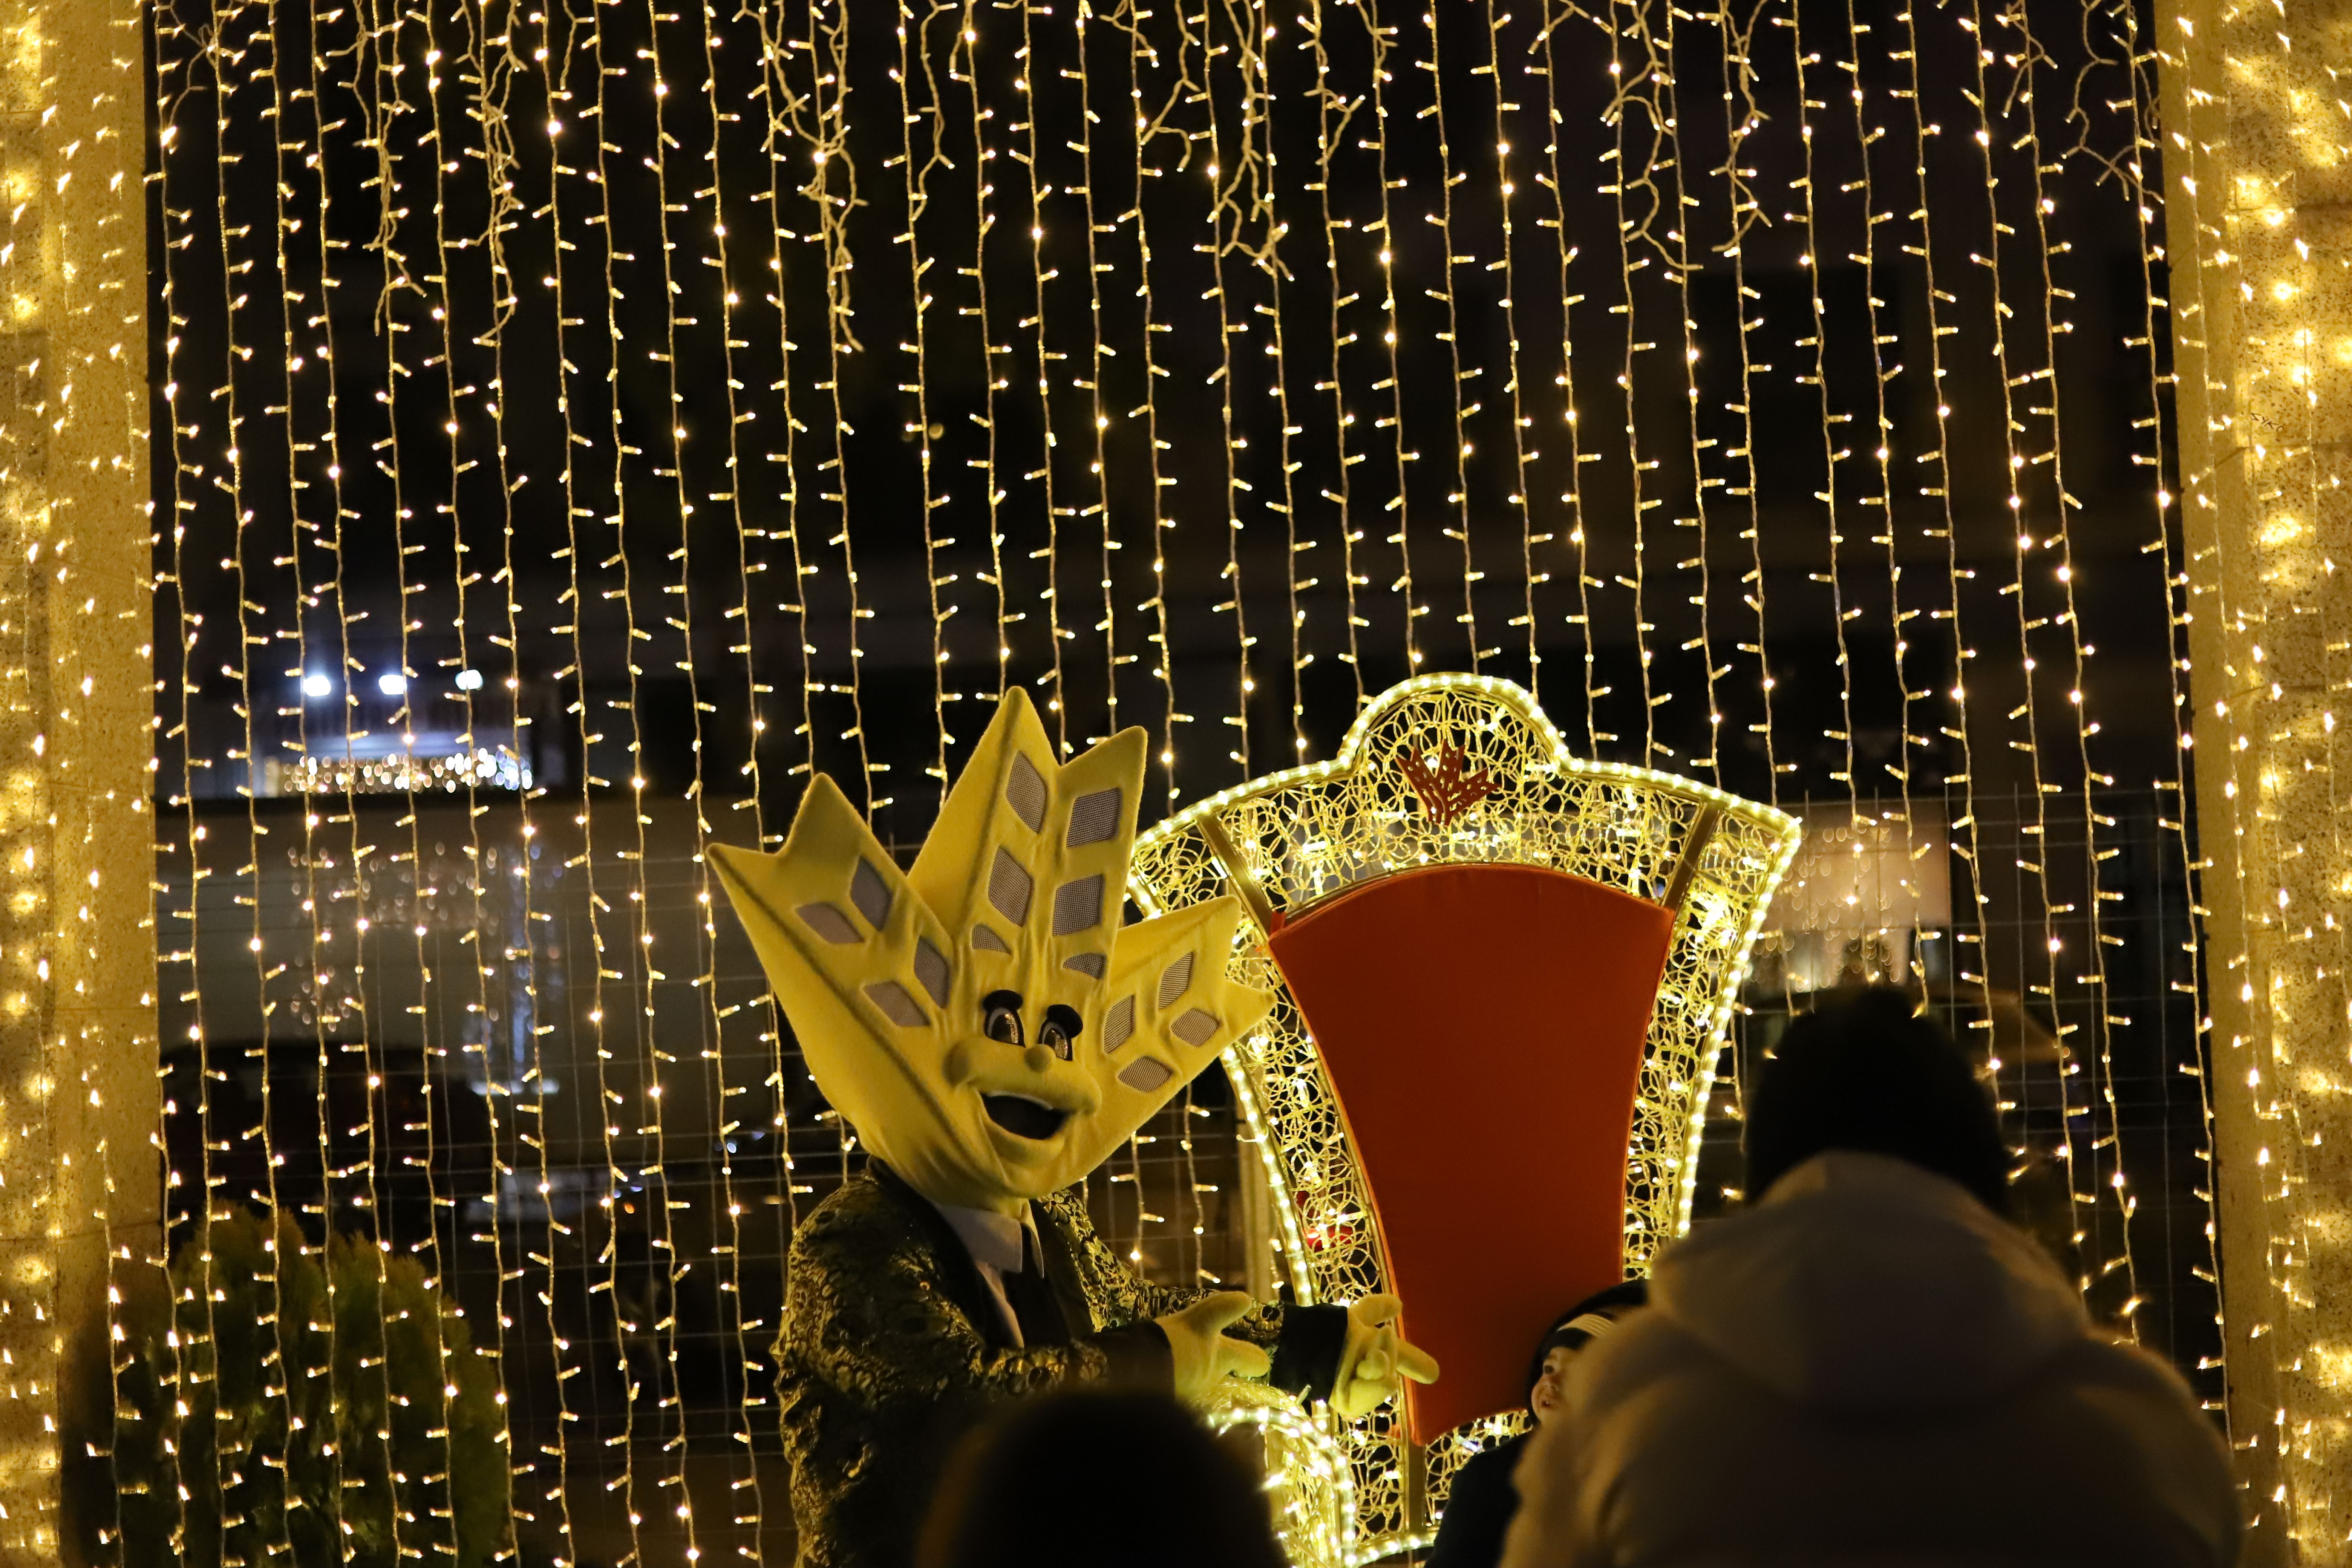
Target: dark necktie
[{"x": 1031, "y": 1296}]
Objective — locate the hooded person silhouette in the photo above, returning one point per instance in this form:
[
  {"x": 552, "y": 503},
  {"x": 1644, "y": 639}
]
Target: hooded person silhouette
[{"x": 992, "y": 1032}]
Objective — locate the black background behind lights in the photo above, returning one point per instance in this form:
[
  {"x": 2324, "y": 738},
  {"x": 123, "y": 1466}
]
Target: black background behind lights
[
  {"x": 1692, "y": 561},
  {"x": 1715, "y": 517}
]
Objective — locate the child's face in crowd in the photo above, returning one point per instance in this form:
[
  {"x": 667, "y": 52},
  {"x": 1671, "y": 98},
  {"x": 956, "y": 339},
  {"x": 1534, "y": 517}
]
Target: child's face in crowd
[{"x": 1544, "y": 1398}]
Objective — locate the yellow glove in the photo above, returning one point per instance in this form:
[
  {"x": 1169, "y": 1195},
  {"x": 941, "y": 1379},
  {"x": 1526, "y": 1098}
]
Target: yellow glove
[
  {"x": 1204, "y": 1354},
  {"x": 1376, "y": 1358}
]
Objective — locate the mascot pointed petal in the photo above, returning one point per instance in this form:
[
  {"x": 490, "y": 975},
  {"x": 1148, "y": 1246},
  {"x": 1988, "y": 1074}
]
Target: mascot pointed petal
[
  {"x": 857, "y": 963},
  {"x": 1172, "y": 1012}
]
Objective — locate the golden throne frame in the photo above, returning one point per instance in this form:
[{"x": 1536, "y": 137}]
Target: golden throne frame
[{"x": 1453, "y": 769}]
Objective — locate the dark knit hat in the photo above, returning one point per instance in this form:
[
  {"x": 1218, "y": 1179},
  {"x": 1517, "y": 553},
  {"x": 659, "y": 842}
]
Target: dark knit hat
[
  {"x": 1865, "y": 1070},
  {"x": 1587, "y": 1321}
]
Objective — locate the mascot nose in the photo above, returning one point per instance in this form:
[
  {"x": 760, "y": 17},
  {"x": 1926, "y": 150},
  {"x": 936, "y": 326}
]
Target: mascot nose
[{"x": 1037, "y": 1058}]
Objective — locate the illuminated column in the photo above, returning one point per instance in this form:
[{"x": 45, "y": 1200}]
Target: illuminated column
[
  {"x": 78, "y": 1187},
  {"x": 2258, "y": 190}
]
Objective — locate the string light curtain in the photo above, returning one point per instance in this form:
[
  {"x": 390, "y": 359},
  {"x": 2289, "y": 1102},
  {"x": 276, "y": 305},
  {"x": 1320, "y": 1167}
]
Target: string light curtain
[
  {"x": 579, "y": 421},
  {"x": 2259, "y": 308},
  {"x": 79, "y": 1191}
]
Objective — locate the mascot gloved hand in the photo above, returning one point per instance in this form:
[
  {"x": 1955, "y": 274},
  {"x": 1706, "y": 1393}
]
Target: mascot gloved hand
[
  {"x": 992, "y": 1032},
  {"x": 1203, "y": 1354},
  {"x": 1376, "y": 1358}
]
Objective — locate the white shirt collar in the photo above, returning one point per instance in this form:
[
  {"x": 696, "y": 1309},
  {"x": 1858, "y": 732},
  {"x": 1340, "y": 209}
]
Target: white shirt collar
[{"x": 991, "y": 1237}]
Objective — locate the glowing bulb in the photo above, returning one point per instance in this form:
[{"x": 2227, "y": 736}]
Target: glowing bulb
[
  {"x": 317, "y": 684},
  {"x": 392, "y": 683},
  {"x": 469, "y": 680}
]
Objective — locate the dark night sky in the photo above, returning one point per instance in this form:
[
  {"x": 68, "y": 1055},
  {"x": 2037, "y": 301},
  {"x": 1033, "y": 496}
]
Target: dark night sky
[{"x": 1815, "y": 384}]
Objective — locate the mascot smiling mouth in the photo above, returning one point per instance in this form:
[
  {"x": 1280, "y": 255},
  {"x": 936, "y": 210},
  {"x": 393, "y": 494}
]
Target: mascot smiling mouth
[{"x": 1024, "y": 1117}]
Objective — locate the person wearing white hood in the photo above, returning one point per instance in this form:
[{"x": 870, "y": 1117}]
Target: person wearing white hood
[{"x": 1870, "y": 1364}]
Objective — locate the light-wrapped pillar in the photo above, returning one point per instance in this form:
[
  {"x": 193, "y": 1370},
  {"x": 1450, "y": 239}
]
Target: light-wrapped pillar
[
  {"x": 2258, "y": 183},
  {"x": 78, "y": 1185}
]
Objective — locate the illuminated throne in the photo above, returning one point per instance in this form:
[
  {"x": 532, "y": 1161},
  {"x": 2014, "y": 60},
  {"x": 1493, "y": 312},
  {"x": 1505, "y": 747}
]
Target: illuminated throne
[{"x": 1502, "y": 977}]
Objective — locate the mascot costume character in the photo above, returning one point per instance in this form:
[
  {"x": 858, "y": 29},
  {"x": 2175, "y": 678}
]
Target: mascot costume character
[{"x": 993, "y": 1033}]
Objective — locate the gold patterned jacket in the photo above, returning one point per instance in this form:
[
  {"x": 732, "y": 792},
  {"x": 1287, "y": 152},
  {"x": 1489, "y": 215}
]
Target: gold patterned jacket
[{"x": 892, "y": 1348}]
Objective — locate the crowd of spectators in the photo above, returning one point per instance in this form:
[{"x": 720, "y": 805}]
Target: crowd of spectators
[{"x": 1867, "y": 1364}]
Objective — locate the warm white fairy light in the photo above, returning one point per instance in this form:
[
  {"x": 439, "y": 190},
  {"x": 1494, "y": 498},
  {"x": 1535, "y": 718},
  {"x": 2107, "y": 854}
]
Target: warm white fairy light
[
  {"x": 1146, "y": 132},
  {"x": 611, "y": 939},
  {"x": 2253, "y": 149},
  {"x": 1459, "y": 453},
  {"x": 1298, "y": 589},
  {"x": 331, "y": 831},
  {"x": 1965, "y": 831},
  {"x": 1524, "y": 447},
  {"x": 2078, "y": 726},
  {"x": 2143, "y": 187},
  {"x": 1634, "y": 64},
  {"x": 398, "y": 33},
  {"x": 232, "y": 1466},
  {"x": 1549, "y": 48},
  {"x": 1380, "y": 239},
  {"x": 1692, "y": 530},
  {"x": 1833, "y": 453},
  {"x": 808, "y": 92},
  {"x": 708, "y": 243},
  {"x": 76, "y": 978},
  {"x": 1036, "y": 327},
  {"x": 785, "y": 536},
  {"x": 1237, "y": 217},
  {"x": 1315, "y": 1514},
  {"x": 1099, "y": 357},
  {"x": 731, "y": 1202},
  {"x": 2079, "y": 1151},
  {"x": 919, "y": 158},
  {"x": 559, "y": 56},
  {"x": 1333, "y": 113},
  {"x": 962, "y": 66},
  {"x": 178, "y": 737}
]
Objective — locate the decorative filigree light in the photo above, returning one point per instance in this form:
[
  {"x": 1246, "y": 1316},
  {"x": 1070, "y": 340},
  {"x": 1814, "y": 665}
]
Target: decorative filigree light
[{"x": 1514, "y": 795}]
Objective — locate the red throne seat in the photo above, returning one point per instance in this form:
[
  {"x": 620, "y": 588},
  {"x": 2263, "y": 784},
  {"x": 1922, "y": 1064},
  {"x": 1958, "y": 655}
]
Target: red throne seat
[{"x": 1483, "y": 1027}]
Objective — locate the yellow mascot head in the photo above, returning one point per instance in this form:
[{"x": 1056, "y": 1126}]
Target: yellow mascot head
[{"x": 983, "y": 1019}]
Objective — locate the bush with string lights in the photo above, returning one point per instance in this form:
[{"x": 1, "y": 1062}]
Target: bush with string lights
[{"x": 287, "y": 1393}]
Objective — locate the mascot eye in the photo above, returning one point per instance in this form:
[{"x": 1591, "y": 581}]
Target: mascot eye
[
  {"x": 1059, "y": 1032},
  {"x": 1000, "y": 1016}
]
